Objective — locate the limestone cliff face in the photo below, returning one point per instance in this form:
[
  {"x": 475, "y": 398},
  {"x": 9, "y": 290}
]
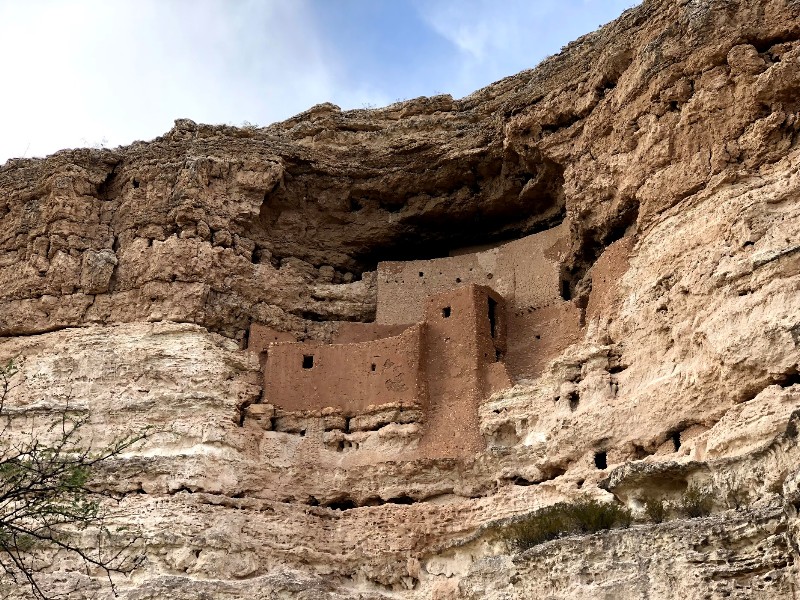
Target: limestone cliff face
[{"x": 668, "y": 140}]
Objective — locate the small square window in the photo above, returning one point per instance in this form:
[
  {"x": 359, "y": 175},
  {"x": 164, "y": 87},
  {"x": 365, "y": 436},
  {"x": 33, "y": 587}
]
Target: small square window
[
  {"x": 601, "y": 460},
  {"x": 373, "y": 367},
  {"x": 446, "y": 312},
  {"x": 308, "y": 361}
]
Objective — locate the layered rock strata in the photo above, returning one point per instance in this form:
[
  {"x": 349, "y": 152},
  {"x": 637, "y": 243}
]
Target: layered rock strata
[{"x": 668, "y": 140}]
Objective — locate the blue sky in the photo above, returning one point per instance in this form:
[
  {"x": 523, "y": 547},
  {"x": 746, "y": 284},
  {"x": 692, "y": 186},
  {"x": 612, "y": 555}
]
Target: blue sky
[{"x": 107, "y": 72}]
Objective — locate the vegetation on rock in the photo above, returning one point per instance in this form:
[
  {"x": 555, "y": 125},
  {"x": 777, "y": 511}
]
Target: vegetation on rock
[
  {"x": 47, "y": 503},
  {"x": 562, "y": 519}
]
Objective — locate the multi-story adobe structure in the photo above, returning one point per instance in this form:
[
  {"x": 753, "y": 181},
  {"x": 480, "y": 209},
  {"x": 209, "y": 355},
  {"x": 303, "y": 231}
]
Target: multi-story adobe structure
[{"x": 449, "y": 332}]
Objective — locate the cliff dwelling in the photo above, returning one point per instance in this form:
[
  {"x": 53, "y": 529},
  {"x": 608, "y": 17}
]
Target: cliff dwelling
[
  {"x": 449, "y": 333},
  {"x": 378, "y": 349}
]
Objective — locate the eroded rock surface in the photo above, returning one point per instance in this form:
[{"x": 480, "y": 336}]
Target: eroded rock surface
[{"x": 669, "y": 141}]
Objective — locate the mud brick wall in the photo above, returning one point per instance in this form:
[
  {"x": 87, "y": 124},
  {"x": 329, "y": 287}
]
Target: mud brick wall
[
  {"x": 525, "y": 272},
  {"x": 308, "y": 376}
]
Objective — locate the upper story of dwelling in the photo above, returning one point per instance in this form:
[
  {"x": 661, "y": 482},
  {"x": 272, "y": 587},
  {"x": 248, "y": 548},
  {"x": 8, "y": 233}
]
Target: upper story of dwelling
[{"x": 526, "y": 272}]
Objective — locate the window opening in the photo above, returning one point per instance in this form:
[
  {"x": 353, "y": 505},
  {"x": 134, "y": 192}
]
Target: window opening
[
  {"x": 446, "y": 312},
  {"x": 308, "y": 361},
  {"x": 566, "y": 293},
  {"x": 601, "y": 460}
]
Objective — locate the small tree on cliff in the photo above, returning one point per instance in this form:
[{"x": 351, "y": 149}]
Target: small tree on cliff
[{"x": 47, "y": 504}]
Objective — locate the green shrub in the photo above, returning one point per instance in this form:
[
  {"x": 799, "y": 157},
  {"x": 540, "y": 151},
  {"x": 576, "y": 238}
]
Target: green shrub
[
  {"x": 546, "y": 525},
  {"x": 591, "y": 516},
  {"x": 558, "y": 520},
  {"x": 655, "y": 510},
  {"x": 695, "y": 502}
]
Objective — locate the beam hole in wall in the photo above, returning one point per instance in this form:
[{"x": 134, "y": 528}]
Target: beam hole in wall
[
  {"x": 421, "y": 274},
  {"x": 601, "y": 460},
  {"x": 458, "y": 279},
  {"x": 308, "y": 361},
  {"x": 135, "y": 183},
  {"x": 446, "y": 312},
  {"x": 489, "y": 276},
  {"x": 373, "y": 367}
]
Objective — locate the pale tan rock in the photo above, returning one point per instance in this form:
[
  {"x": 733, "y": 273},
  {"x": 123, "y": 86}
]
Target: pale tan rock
[{"x": 669, "y": 139}]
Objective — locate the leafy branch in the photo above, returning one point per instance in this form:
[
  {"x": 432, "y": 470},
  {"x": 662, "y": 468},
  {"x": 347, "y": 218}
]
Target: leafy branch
[{"x": 47, "y": 502}]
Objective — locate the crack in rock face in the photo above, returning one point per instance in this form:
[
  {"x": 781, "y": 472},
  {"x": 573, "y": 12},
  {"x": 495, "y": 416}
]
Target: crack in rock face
[{"x": 621, "y": 422}]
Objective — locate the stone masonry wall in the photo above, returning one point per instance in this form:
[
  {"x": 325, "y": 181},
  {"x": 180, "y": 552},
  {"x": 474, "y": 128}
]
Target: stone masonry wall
[
  {"x": 526, "y": 272},
  {"x": 536, "y": 336},
  {"x": 307, "y": 376},
  {"x": 462, "y": 358}
]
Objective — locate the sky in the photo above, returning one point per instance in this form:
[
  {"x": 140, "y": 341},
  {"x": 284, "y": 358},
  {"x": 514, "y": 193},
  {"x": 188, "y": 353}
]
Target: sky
[{"x": 103, "y": 73}]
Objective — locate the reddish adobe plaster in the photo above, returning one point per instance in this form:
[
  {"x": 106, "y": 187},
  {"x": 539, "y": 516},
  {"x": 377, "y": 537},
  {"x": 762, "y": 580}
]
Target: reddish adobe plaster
[{"x": 479, "y": 320}]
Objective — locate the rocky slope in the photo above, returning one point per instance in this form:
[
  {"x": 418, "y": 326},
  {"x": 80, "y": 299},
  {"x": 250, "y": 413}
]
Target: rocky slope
[{"x": 669, "y": 139}]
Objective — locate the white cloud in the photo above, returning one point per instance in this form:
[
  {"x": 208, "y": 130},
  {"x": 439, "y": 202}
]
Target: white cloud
[
  {"x": 478, "y": 27},
  {"x": 87, "y": 70},
  {"x": 497, "y": 39},
  {"x": 83, "y": 72}
]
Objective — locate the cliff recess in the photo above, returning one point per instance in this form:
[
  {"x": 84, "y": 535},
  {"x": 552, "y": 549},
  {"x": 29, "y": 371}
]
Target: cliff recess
[{"x": 667, "y": 142}]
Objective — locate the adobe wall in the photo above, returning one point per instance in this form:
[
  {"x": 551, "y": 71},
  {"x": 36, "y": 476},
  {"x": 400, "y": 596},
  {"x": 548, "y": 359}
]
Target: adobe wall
[
  {"x": 462, "y": 358},
  {"x": 537, "y": 336},
  {"x": 404, "y": 287},
  {"x": 351, "y": 377},
  {"x": 354, "y": 332},
  {"x": 606, "y": 273},
  {"x": 526, "y": 272},
  {"x": 535, "y": 261},
  {"x": 261, "y": 336}
]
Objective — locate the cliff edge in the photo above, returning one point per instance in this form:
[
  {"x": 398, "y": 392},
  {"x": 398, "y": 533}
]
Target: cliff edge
[{"x": 666, "y": 148}]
